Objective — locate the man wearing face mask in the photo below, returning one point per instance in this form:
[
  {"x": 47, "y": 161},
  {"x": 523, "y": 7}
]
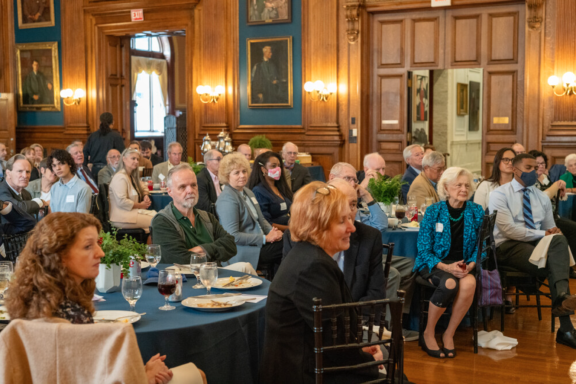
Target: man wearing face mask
[{"x": 524, "y": 219}]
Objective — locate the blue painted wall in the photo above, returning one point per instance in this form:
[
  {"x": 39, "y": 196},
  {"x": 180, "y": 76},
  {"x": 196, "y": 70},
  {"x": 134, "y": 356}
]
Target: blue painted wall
[
  {"x": 41, "y": 35},
  {"x": 272, "y": 116}
]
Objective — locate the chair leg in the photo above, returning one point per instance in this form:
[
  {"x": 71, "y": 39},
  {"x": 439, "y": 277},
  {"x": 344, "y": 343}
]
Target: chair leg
[
  {"x": 517, "y": 298},
  {"x": 475, "y": 323},
  {"x": 538, "y": 303},
  {"x": 485, "y": 317},
  {"x": 502, "y": 314},
  {"x": 423, "y": 315},
  {"x": 553, "y": 323}
]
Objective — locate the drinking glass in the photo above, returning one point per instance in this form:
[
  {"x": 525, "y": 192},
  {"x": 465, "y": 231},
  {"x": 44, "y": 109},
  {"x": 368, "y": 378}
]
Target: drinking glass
[
  {"x": 5, "y": 275},
  {"x": 153, "y": 254},
  {"x": 411, "y": 200},
  {"x": 412, "y": 211},
  {"x": 132, "y": 290},
  {"x": 209, "y": 275},
  {"x": 166, "y": 287},
  {"x": 428, "y": 201},
  {"x": 196, "y": 261},
  {"x": 400, "y": 212},
  {"x": 423, "y": 209}
]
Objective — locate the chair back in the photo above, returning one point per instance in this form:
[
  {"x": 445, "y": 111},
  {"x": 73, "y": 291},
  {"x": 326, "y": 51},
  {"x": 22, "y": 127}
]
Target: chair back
[
  {"x": 14, "y": 244},
  {"x": 388, "y": 262},
  {"x": 486, "y": 238},
  {"x": 94, "y": 207},
  {"x": 104, "y": 207},
  {"x": 147, "y": 172},
  {"x": 556, "y": 171},
  {"x": 353, "y": 338}
]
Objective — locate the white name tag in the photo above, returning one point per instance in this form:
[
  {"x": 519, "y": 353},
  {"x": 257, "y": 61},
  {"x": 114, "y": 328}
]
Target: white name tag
[
  {"x": 70, "y": 198},
  {"x": 439, "y": 227},
  {"x": 283, "y": 206},
  {"x": 254, "y": 200}
]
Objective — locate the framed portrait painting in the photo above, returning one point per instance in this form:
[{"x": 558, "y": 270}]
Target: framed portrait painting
[
  {"x": 268, "y": 11},
  {"x": 461, "y": 99},
  {"x": 420, "y": 97},
  {"x": 474, "y": 104},
  {"x": 35, "y": 13},
  {"x": 270, "y": 72},
  {"x": 38, "y": 77}
]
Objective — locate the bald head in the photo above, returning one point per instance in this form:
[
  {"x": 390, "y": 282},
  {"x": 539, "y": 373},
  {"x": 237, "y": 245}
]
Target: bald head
[
  {"x": 113, "y": 158},
  {"x": 375, "y": 162},
  {"x": 290, "y": 153},
  {"x": 246, "y": 151},
  {"x": 519, "y": 148},
  {"x": 344, "y": 187}
]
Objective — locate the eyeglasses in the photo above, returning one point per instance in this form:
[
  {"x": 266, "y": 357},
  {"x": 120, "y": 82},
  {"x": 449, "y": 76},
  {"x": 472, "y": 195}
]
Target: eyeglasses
[
  {"x": 541, "y": 164},
  {"x": 113, "y": 157},
  {"x": 507, "y": 160},
  {"x": 292, "y": 153},
  {"x": 218, "y": 160},
  {"x": 351, "y": 178},
  {"x": 324, "y": 191}
]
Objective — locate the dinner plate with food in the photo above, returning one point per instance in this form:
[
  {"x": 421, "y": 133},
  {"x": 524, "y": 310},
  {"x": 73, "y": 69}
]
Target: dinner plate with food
[
  {"x": 237, "y": 283},
  {"x": 116, "y": 317},
  {"x": 213, "y": 305},
  {"x": 411, "y": 226},
  {"x": 4, "y": 314}
]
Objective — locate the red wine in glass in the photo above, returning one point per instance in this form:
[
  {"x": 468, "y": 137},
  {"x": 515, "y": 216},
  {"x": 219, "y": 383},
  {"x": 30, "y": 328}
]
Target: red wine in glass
[
  {"x": 400, "y": 214},
  {"x": 166, "y": 289}
]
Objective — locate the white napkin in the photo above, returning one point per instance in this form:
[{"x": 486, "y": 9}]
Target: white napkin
[
  {"x": 187, "y": 373},
  {"x": 496, "y": 340},
  {"x": 98, "y": 298},
  {"x": 540, "y": 252},
  {"x": 161, "y": 177},
  {"x": 257, "y": 298},
  {"x": 148, "y": 212}
]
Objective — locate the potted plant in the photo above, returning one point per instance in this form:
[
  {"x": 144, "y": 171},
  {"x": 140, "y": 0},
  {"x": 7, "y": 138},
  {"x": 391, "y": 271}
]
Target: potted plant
[
  {"x": 116, "y": 260},
  {"x": 386, "y": 190},
  {"x": 196, "y": 167},
  {"x": 259, "y": 141}
]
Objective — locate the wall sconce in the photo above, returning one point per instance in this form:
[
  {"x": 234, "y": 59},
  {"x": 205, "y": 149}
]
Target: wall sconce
[
  {"x": 568, "y": 81},
  {"x": 207, "y": 95},
  {"x": 318, "y": 92},
  {"x": 72, "y": 97}
]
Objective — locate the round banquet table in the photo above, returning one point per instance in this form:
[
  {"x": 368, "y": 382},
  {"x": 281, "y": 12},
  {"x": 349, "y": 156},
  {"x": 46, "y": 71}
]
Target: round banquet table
[
  {"x": 227, "y": 346},
  {"x": 405, "y": 242},
  {"x": 159, "y": 201}
]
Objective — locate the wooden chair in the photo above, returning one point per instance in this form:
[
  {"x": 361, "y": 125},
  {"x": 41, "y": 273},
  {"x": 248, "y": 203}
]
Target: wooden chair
[
  {"x": 395, "y": 362},
  {"x": 14, "y": 244},
  {"x": 147, "y": 172}
]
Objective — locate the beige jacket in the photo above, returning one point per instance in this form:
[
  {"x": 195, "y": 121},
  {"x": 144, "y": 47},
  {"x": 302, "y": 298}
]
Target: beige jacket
[
  {"x": 122, "y": 197},
  {"x": 422, "y": 188},
  {"x": 55, "y": 351}
]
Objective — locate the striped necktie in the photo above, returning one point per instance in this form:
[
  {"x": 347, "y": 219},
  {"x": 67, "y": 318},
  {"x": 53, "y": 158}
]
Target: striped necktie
[{"x": 528, "y": 219}]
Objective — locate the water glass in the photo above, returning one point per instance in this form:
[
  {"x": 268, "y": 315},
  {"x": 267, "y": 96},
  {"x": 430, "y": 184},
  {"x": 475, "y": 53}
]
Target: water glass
[
  {"x": 411, "y": 200},
  {"x": 428, "y": 201},
  {"x": 196, "y": 261},
  {"x": 166, "y": 287},
  {"x": 209, "y": 275},
  {"x": 132, "y": 290},
  {"x": 153, "y": 254}
]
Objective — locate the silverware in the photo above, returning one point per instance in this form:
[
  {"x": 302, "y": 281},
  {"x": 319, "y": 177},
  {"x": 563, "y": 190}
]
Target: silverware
[
  {"x": 216, "y": 296},
  {"x": 245, "y": 277}
]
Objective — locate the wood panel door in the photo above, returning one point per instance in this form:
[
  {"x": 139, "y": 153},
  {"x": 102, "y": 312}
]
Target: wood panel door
[
  {"x": 117, "y": 87},
  {"x": 491, "y": 38}
]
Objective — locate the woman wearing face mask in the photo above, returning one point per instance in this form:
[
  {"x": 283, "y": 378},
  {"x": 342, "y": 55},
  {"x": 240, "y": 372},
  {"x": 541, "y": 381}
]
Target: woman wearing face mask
[{"x": 271, "y": 190}]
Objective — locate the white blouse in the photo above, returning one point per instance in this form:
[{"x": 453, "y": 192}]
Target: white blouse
[{"x": 482, "y": 195}]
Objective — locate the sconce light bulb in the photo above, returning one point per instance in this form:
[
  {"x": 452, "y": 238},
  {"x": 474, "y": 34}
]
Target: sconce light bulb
[
  {"x": 66, "y": 93},
  {"x": 79, "y": 93},
  {"x": 332, "y": 88},
  {"x": 200, "y": 90},
  {"x": 553, "y": 81},
  {"x": 568, "y": 78},
  {"x": 219, "y": 90},
  {"x": 309, "y": 86},
  {"x": 208, "y": 89},
  {"x": 319, "y": 85}
]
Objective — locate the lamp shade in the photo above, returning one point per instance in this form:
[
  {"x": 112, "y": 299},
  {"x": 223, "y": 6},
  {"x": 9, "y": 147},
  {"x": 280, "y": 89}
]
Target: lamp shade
[
  {"x": 332, "y": 88},
  {"x": 220, "y": 90},
  {"x": 553, "y": 81},
  {"x": 200, "y": 90},
  {"x": 309, "y": 86},
  {"x": 79, "y": 93},
  {"x": 66, "y": 93},
  {"x": 207, "y": 89},
  {"x": 319, "y": 85},
  {"x": 568, "y": 78}
]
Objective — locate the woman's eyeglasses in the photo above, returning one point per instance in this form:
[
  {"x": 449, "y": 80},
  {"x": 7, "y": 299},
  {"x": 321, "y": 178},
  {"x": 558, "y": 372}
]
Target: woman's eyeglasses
[{"x": 507, "y": 160}]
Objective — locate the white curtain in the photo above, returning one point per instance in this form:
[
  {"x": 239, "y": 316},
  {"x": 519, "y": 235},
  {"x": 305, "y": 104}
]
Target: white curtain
[{"x": 150, "y": 66}]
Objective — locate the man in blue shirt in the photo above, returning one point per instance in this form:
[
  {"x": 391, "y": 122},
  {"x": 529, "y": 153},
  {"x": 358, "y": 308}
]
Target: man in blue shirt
[
  {"x": 524, "y": 219},
  {"x": 69, "y": 194},
  {"x": 413, "y": 155}
]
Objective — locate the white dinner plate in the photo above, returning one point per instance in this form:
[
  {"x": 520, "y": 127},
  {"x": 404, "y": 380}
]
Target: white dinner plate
[
  {"x": 4, "y": 314},
  {"x": 193, "y": 302},
  {"x": 182, "y": 271},
  {"x": 247, "y": 284},
  {"x": 111, "y": 315},
  {"x": 144, "y": 264},
  {"x": 406, "y": 227},
  {"x": 157, "y": 192}
]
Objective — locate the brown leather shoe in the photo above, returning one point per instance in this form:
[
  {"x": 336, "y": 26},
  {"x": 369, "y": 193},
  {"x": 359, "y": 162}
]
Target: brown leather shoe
[{"x": 564, "y": 305}]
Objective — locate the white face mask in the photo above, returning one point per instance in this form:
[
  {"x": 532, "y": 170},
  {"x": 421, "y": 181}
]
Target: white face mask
[{"x": 275, "y": 173}]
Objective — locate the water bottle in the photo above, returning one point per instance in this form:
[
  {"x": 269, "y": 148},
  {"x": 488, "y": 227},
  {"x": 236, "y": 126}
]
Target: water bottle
[
  {"x": 177, "y": 295},
  {"x": 134, "y": 269}
]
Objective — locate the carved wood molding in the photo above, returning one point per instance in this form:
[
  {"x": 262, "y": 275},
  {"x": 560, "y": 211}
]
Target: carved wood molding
[
  {"x": 353, "y": 17},
  {"x": 535, "y": 14}
]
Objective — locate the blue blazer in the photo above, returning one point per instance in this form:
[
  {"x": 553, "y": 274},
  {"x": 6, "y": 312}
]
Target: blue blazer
[
  {"x": 271, "y": 206},
  {"x": 408, "y": 176},
  {"x": 433, "y": 246}
]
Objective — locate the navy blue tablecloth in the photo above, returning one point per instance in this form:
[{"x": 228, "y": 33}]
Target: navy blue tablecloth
[
  {"x": 566, "y": 208},
  {"x": 405, "y": 242},
  {"x": 227, "y": 346},
  {"x": 159, "y": 201},
  {"x": 317, "y": 173}
]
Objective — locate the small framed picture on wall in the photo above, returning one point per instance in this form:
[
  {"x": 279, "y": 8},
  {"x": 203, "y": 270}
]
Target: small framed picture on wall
[
  {"x": 462, "y": 99},
  {"x": 38, "y": 77},
  {"x": 35, "y": 13},
  {"x": 269, "y": 11},
  {"x": 420, "y": 97}
]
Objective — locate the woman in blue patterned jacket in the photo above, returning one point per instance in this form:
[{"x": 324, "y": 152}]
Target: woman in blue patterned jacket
[{"x": 447, "y": 247}]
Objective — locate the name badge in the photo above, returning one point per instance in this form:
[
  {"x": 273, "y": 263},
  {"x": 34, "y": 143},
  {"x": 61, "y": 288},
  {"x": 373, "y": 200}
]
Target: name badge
[
  {"x": 254, "y": 200},
  {"x": 70, "y": 198},
  {"x": 439, "y": 227},
  {"x": 283, "y": 206}
]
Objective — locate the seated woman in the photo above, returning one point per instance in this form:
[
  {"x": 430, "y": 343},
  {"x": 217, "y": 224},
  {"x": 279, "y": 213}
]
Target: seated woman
[
  {"x": 240, "y": 215},
  {"x": 447, "y": 248},
  {"x": 321, "y": 226},
  {"x": 502, "y": 173},
  {"x": 570, "y": 176},
  {"x": 31, "y": 157},
  {"x": 128, "y": 200},
  {"x": 269, "y": 185},
  {"x": 55, "y": 277}
]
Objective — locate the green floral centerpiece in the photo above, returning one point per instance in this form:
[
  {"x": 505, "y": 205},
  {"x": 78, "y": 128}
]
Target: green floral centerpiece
[
  {"x": 384, "y": 190},
  {"x": 119, "y": 252},
  {"x": 260, "y": 141},
  {"x": 196, "y": 167}
]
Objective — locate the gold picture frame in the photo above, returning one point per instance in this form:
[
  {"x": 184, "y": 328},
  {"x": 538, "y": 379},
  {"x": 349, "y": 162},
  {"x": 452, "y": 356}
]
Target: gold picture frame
[
  {"x": 24, "y": 21},
  {"x": 461, "y": 99},
  {"x": 270, "y": 86},
  {"x": 42, "y": 91}
]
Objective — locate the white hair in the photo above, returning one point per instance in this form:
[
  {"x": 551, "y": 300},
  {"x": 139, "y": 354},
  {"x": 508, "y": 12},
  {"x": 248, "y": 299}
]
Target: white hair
[
  {"x": 338, "y": 167},
  {"x": 176, "y": 169},
  {"x": 371, "y": 156},
  {"x": 450, "y": 176},
  {"x": 69, "y": 148},
  {"x": 172, "y": 145},
  {"x": 569, "y": 158},
  {"x": 408, "y": 151},
  {"x": 433, "y": 158},
  {"x": 210, "y": 154},
  {"x": 285, "y": 145}
]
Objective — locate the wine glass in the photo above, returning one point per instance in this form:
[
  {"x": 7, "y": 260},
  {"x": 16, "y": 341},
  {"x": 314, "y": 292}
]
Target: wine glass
[
  {"x": 209, "y": 275},
  {"x": 166, "y": 287},
  {"x": 196, "y": 261},
  {"x": 411, "y": 200},
  {"x": 428, "y": 201},
  {"x": 400, "y": 212},
  {"x": 153, "y": 254},
  {"x": 412, "y": 211},
  {"x": 132, "y": 290}
]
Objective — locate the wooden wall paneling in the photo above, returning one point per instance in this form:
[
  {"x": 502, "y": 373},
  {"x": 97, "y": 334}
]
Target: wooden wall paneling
[
  {"x": 51, "y": 137},
  {"x": 118, "y": 90},
  {"x": 557, "y": 152},
  {"x": 7, "y": 77},
  {"x": 391, "y": 45},
  {"x": 464, "y": 38},
  {"x": 405, "y": 5},
  {"x": 503, "y": 32},
  {"x": 501, "y": 95},
  {"x": 427, "y": 41}
]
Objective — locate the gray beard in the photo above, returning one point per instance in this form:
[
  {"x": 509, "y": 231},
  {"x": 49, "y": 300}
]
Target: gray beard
[{"x": 189, "y": 205}]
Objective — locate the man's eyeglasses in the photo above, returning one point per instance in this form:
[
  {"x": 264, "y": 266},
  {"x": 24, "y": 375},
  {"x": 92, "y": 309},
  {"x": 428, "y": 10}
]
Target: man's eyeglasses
[
  {"x": 507, "y": 160},
  {"x": 292, "y": 153},
  {"x": 351, "y": 178},
  {"x": 218, "y": 160}
]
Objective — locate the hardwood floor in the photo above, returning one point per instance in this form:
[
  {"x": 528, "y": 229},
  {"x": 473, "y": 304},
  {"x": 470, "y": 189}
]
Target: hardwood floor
[{"x": 536, "y": 359}]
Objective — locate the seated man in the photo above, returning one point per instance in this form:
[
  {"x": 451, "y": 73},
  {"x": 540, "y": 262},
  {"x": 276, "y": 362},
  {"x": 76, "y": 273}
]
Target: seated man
[
  {"x": 142, "y": 161},
  {"x": 180, "y": 228},
  {"x": 16, "y": 219},
  {"x": 113, "y": 161},
  {"x": 298, "y": 175},
  {"x": 174, "y": 158},
  {"x": 369, "y": 211},
  {"x": 374, "y": 164},
  {"x": 69, "y": 194},
  {"x": 424, "y": 185},
  {"x": 524, "y": 218},
  {"x": 12, "y": 187},
  {"x": 413, "y": 155},
  {"x": 146, "y": 152},
  {"x": 82, "y": 171},
  {"x": 245, "y": 150},
  {"x": 208, "y": 183}
]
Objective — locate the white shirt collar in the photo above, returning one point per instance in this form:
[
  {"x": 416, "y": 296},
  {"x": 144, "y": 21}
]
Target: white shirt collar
[
  {"x": 516, "y": 186},
  {"x": 18, "y": 193}
]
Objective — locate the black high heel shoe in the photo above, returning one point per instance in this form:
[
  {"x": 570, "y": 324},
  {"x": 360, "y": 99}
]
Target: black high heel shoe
[
  {"x": 447, "y": 351},
  {"x": 434, "y": 353}
]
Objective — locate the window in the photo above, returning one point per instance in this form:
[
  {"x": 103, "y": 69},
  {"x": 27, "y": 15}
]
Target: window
[
  {"x": 147, "y": 44},
  {"x": 150, "y": 110}
]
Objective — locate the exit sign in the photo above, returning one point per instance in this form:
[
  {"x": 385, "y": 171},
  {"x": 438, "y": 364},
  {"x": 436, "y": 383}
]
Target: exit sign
[
  {"x": 441, "y": 3},
  {"x": 137, "y": 14}
]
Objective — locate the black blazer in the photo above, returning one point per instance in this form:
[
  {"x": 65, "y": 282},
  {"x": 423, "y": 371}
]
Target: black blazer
[
  {"x": 156, "y": 159},
  {"x": 206, "y": 192},
  {"x": 408, "y": 176},
  {"x": 22, "y": 201},
  {"x": 17, "y": 221},
  {"x": 288, "y": 356},
  {"x": 363, "y": 269},
  {"x": 300, "y": 176}
]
